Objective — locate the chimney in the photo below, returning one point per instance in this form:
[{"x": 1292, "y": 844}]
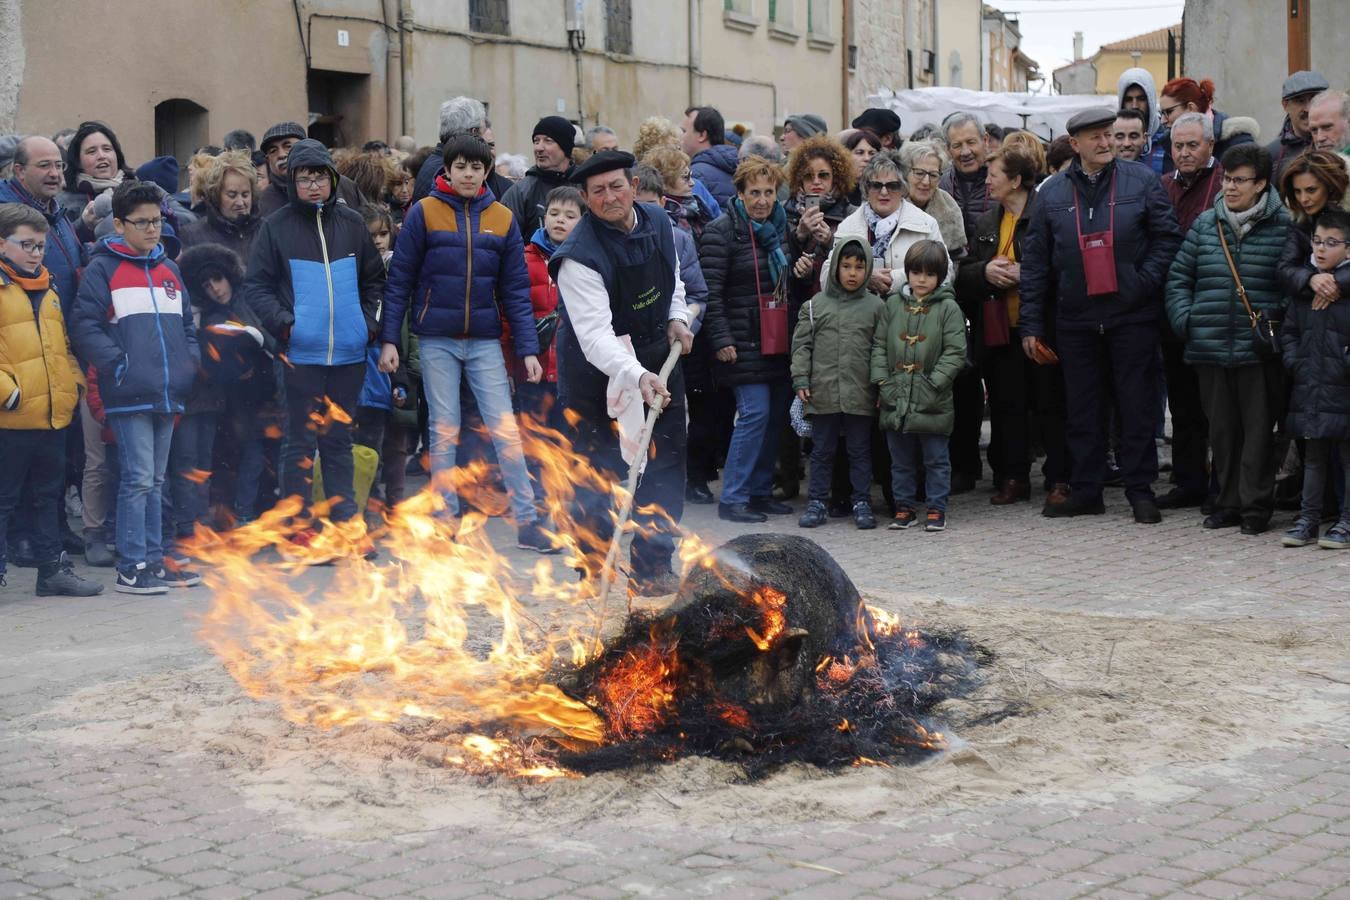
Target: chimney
[{"x": 1077, "y": 46}]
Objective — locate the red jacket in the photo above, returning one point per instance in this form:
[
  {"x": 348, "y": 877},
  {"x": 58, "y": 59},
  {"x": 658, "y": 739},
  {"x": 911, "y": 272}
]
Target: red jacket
[
  {"x": 544, "y": 299},
  {"x": 1192, "y": 199}
]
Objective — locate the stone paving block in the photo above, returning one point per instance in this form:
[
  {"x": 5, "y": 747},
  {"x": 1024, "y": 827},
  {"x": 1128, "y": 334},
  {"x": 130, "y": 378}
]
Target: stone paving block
[
  {"x": 386, "y": 887},
  {"x": 1016, "y": 877},
  {"x": 536, "y": 888},
  {"x": 155, "y": 891},
  {"x": 179, "y": 846},
  {"x": 267, "y": 880},
  {"x": 16, "y": 889},
  {"x": 283, "y": 893}
]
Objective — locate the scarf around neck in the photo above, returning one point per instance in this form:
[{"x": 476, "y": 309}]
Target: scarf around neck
[
  {"x": 1243, "y": 222},
  {"x": 540, "y": 240},
  {"x": 881, "y": 229},
  {"x": 99, "y": 185},
  {"x": 30, "y": 281},
  {"x": 768, "y": 235}
]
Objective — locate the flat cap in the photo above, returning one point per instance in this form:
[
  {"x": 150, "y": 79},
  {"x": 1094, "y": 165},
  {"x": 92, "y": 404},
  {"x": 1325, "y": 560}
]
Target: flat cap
[
  {"x": 1303, "y": 82},
  {"x": 600, "y": 163},
  {"x": 1090, "y": 118},
  {"x": 881, "y": 121},
  {"x": 281, "y": 131}
]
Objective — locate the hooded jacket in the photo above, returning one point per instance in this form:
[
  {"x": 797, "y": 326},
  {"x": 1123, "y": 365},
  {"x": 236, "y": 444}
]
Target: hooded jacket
[
  {"x": 1229, "y": 131},
  {"x": 314, "y": 277},
  {"x": 1157, "y": 153},
  {"x": 1145, "y": 235},
  {"x": 917, "y": 351},
  {"x": 1316, "y": 346},
  {"x": 832, "y": 344},
  {"x": 65, "y": 257},
  {"x": 39, "y": 378},
  {"x": 237, "y": 351},
  {"x": 426, "y": 178},
  {"x": 915, "y": 225},
  {"x": 133, "y": 323},
  {"x": 1285, "y": 148},
  {"x": 1202, "y": 301},
  {"x": 714, "y": 167},
  {"x": 460, "y": 265},
  {"x": 526, "y": 197},
  {"x": 213, "y": 228},
  {"x": 278, "y": 193}
]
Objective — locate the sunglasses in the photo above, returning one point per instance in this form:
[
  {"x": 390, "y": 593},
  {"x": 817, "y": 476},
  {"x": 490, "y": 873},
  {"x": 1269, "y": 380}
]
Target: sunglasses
[{"x": 893, "y": 187}]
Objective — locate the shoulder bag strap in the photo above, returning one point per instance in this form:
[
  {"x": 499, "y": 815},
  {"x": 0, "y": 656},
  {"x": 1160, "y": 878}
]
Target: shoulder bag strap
[{"x": 1237, "y": 279}]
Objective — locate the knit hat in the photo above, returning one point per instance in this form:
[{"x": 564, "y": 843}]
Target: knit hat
[
  {"x": 163, "y": 171},
  {"x": 806, "y": 124},
  {"x": 281, "y": 131},
  {"x": 559, "y": 130},
  {"x": 9, "y": 143}
]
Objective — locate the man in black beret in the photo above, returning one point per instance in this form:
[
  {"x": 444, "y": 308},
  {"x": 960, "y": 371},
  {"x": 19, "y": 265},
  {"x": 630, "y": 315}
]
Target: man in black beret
[
  {"x": 554, "y": 138},
  {"x": 883, "y": 122},
  {"x": 1094, "y": 261},
  {"x": 622, "y": 304}
]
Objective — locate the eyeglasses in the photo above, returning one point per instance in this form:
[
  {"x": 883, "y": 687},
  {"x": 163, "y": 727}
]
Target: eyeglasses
[
  {"x": 145, "y": 224},
  {"x": 1168, "y": 110},
  {"x": 893, "y": 187},
  {"x": 311, "y": 181},
  {"x": 819, "y": 176},
  {"x": 41, "y": 246},
  {"x": 687, "y": 176},
  {"x": 925, "y": 175},
  {"x": 1329, "y": 243},
  {"x": 50, "y": 165},
  {"x": 1238, "y": 180}
]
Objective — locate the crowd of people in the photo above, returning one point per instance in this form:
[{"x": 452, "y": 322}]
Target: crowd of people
[{"x": 856, "y": 300}]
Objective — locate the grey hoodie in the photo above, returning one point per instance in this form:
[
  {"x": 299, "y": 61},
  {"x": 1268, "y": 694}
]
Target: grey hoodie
[{"x": 1142, "y": 78}]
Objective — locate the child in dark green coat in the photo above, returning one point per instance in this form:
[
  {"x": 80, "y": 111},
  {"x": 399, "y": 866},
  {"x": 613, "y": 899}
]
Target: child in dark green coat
[
  {"x": 831, "y": 351},
  {"x": 918, "y": 350}
]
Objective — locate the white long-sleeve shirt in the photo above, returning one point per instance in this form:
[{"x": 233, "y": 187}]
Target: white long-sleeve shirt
[{"x": 587, "y": 302}]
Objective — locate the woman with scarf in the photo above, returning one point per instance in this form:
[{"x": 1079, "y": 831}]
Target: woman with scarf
[
  {"x": 94, "y": 165},
  {"x": 684, "y": 207},
  {"x": 820, "y": 177},
  {"x": 1238, "y": 241},
  {"x": 746, "y": 266},
  {"x": 230, "y": 210},
  {"x": 924, "y": 163}
]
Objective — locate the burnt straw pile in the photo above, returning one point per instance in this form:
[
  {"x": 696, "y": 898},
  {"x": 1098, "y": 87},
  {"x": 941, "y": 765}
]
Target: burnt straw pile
[{"x": 769, "y": 656}]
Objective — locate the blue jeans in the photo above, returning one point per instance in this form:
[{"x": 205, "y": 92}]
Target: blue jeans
[
  {"x": 761, "y": 413},
  {"x": 445, "y": 361},
  {"x": 906, "y": 451},
  {"x": 188, "y": 496},
  {"x": 143, "y": 441}
]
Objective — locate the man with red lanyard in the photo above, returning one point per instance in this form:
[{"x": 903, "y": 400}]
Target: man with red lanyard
[
  {"x": 1094, "y": 260},
  {"x": 1191, "y": 187}
]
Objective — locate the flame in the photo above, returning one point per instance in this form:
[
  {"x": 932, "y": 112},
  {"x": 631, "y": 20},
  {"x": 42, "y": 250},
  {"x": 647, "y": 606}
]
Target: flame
[
  {"x": 639, "y": 689},
  {"x": 771, "y": 603}
]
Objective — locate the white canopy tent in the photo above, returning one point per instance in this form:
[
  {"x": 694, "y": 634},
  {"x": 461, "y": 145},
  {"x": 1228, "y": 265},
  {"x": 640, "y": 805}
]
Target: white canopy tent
[{"x": 1045, "y": 116}]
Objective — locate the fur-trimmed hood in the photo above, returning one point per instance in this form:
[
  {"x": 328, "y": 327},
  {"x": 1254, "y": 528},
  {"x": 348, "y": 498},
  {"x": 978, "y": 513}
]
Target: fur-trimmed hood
[
  {"x": 945, "y": 209},
  {"x": 199, "y": 263},
  {"x": 1229, "y": 127}
]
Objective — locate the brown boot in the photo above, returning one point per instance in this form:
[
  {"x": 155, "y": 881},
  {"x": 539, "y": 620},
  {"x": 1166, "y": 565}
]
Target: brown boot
[
  {"x": 1011, "y": 491},
  {"x": 1058, "y": 496}
]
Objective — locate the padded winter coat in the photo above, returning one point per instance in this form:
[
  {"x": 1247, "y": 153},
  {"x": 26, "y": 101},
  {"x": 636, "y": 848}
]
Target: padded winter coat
[
  {"x": 1202, "y": 301},
  {"x": 1316, "y": 347},
  {"x": 732, "y": 319},
  {"x": 65, "y": 256},
  {"x": 832, "y": 345},
  {"x": 35, "y": 359},
  {"x": 917, "y": 352},
  {"x": 134, "y": 324},
  {"x": 213, "y": 228},
  {"x": 526, "y": 198},
  {"x": 460, "y": 266},
  {"x": 314, "y": 277},
  {"x": 972, "y": 287},
  {"x": 543, "y": 300},
  {"x": 714, "y": 168},
  {"x": 1146, "y": 237}
]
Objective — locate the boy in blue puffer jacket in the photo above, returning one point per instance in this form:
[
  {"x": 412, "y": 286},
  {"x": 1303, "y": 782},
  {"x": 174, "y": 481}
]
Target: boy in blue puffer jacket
[
  {"x": 133, "y": 323},
  {"x": 315, "y": 280},
  {"x": 459, "y": 263}
]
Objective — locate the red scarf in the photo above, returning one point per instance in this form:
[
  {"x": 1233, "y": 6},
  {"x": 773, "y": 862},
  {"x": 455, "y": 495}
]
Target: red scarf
[{"x": 40, "y": 280}]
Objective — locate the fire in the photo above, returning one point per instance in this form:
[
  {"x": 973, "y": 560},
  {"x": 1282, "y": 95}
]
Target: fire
[
  {"x": 639, "y": 689},
  {"x": 773, "y": 622}
]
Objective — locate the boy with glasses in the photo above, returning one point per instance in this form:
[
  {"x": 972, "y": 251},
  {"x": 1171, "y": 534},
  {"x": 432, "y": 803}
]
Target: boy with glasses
[{"x": 132, "y": 322}]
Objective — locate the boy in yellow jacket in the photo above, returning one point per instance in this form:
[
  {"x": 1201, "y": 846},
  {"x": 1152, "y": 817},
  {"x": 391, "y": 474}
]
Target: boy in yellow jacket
[{"x": 40, "y": 384}]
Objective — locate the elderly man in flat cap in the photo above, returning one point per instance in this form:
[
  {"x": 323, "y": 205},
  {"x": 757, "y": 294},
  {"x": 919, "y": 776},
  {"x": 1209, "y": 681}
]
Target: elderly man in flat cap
[
  {"x": 1094, "y": 261},
  {"x": 622, "y": 303}
]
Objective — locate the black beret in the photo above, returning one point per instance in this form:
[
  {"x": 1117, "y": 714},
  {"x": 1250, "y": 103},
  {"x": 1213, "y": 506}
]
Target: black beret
[
  {"x": 882, "y": 121},
  {"x": 600, "y": 163},
  {"x": 1090, "y": 118}
]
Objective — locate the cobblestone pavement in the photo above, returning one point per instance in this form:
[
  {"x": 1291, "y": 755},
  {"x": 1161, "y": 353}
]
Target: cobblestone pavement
[{"x": 124, "y": 821}]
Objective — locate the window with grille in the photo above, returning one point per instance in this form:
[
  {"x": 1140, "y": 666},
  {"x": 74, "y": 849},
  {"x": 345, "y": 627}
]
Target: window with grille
[
  {"x": 619, "y": 26},
  {"x": 490, "y": 16}
]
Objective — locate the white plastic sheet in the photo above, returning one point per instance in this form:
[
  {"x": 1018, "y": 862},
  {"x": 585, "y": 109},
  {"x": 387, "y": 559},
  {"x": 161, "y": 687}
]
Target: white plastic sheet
[{"x": 1046, "y": 116}]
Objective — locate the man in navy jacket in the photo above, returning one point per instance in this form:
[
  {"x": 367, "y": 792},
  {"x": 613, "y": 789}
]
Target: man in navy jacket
[{"x": 1095, "y": 258}]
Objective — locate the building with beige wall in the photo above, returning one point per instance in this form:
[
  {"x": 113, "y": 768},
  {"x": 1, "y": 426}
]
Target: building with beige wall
[
  {"x": 356, "y": 70},
  {"x": 1142, "y": 51},
  {"x": 1006, "y": 67}
]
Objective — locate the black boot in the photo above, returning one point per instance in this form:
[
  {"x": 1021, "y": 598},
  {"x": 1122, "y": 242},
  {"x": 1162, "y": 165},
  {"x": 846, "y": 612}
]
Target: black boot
[
  {"x": 58, "y": 579},
  {"x": 21, "y": 554}
]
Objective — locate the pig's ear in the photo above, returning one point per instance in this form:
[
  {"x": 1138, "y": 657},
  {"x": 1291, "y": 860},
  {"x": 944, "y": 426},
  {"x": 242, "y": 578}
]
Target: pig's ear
[{"x": 783, "y": 655}]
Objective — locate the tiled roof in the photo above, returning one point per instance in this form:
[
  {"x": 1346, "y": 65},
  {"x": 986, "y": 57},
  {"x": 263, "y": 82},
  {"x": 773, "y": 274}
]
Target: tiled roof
[{"x": 1150, "y": 42}]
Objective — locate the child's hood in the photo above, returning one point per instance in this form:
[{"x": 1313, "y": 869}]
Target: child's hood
[
  {"x": 113, "y": 246},
  {"x": 832, "y": 284},
  {"x": 943, "y": 292}
]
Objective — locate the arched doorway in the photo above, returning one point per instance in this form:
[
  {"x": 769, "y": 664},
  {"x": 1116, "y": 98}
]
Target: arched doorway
[{"x": 181, "y": 126}]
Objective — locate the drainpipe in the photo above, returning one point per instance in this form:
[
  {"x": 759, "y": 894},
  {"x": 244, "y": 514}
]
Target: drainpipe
[
  {"x": 848, "y": 44},
  {"x": 393, "y": 71},
  {"x": 695, "y": 51},
  {"x": 406, "y": 28}
]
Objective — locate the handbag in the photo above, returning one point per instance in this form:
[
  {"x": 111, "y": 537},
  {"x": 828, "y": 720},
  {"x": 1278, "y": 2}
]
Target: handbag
[
  {"x": 545, "y": 327},
  {"x": 1265, "y": 329},
  {"x": 773, "y": 312},
  {"x": 1098, "y": 249},
  {"x": 995, "y": 322}
]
